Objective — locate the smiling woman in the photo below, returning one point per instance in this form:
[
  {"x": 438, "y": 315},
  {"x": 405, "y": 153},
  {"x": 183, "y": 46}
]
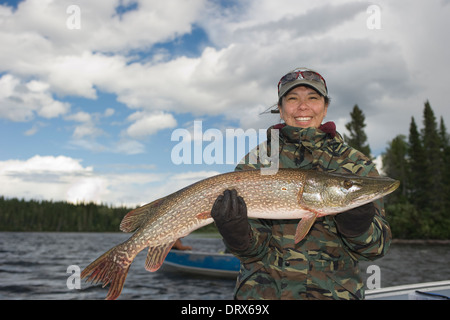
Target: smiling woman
[{"x": 277, "y": 263}]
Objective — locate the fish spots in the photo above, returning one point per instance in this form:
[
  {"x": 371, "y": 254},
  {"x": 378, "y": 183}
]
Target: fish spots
[{"x": 204, "y": 215}]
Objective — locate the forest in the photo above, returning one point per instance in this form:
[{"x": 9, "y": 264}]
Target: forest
[
  {"x": 417, "y": 210},
  {"x": 61, "y": 216},
  {"x": 421, "y": 161}
]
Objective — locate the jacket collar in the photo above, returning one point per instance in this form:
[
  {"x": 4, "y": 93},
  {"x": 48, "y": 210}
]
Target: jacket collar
[{"x": 312, "y": 138}]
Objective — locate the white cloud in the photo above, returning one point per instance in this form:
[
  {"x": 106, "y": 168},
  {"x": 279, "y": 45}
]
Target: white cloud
[
  {"x": 23, "y": 101},
  {"x": 78, "y": 74},
  {"x": 38, "y": 43},
  {"x": 101, "y": 28},
  {"x": 87, "y": 189},
  {"x": 34, "y": 129},
  {"x": 148, "y": 124},
  {"x": 64, "y": 178},
  {"x": 87, "y": 128},
  {"x": 80, "y": 116},
  {"x": 48, "y": 177},
  {"x": 43, "y": 164},
  {"x": 109, "y": 112},
  {"x": 167, "y": 184},
  {"x": 130, "y": 147}
]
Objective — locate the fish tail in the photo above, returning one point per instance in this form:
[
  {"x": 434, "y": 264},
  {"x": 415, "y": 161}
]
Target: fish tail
[{"x": 111, "y": 267}]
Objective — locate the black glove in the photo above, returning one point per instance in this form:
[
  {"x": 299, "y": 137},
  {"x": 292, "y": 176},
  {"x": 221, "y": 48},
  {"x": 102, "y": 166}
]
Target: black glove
[
  {"x": 230, "y": 215},
  {"x": 355, "y": 222}
]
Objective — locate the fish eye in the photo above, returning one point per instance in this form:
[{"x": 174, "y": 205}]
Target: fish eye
[{"x": 348, "y": 184}]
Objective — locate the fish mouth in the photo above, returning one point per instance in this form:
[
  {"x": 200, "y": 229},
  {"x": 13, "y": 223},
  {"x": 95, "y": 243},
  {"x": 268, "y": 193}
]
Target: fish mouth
[
  {"x": 384, "y": 188},
  {"x": 392, "y": 187}
]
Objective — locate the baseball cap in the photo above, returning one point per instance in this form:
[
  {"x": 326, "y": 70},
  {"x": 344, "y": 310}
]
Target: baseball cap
[{"x": 302, "y": 76}]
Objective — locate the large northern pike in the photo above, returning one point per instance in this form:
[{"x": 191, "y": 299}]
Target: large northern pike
[{"x": 289, "y": 194}]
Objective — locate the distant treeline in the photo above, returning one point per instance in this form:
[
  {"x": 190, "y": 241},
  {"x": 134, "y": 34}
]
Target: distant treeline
[
  {"x": 61, "y": 216},
  {"x": 33, "y": 215}
]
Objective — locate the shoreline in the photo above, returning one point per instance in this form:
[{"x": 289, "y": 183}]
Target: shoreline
[{"x": 212, "y": 234}]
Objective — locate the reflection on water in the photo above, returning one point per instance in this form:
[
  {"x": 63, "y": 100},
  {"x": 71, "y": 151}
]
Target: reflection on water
[{"x": 34, "y": 266}]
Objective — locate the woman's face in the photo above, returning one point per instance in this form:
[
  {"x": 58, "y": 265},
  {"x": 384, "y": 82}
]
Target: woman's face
[{"x": 303, "y": 107}]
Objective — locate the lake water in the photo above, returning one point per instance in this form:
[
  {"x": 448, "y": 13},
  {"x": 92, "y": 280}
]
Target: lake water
[{"x": 34, "y": 266}]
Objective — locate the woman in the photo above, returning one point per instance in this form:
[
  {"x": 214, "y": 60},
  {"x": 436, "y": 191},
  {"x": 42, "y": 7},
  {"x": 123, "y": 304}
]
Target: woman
[{"x": 324, "y": 265}]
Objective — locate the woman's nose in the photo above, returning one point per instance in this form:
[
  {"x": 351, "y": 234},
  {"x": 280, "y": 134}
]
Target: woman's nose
[{"x": 302, "y": 105}]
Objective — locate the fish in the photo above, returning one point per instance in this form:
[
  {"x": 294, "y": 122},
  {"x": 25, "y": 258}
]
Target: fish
[{"x": 288, "y": 194}]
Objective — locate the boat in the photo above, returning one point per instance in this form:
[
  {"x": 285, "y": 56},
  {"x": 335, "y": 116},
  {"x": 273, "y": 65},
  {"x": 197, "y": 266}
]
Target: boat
[
  {"x": 223, "y": 265},
  {"x": 439, "y": 290}
]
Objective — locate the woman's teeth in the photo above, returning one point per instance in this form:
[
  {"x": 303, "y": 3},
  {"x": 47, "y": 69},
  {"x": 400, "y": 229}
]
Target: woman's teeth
[{"x": 303, "y": 118}]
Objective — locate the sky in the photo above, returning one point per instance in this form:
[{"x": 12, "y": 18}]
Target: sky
[{"x": 97, "y": 98}]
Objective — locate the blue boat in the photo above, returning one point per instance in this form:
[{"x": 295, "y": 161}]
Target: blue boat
[{"x": 222, "y": 265}]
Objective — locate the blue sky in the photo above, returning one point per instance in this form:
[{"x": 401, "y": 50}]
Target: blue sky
[{"x": 87, "y": 114}]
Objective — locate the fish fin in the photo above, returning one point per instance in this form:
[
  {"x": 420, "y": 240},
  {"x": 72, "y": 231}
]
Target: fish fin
[
  {"x": 137, "y": 217},
  {"x": 108, "y": 268},
  {"x": 156, "y": 256},
  {"x": 304, "y": 226},
  {"x": 203, "y": 215}
]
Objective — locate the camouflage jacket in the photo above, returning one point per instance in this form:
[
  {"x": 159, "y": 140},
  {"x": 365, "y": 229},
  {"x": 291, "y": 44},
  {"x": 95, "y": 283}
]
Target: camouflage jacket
[{"x": 324, "y": 265}]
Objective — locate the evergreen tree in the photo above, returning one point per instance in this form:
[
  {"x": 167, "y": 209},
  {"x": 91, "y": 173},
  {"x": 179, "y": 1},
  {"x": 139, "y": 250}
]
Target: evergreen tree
[
  {"x": 445, "y": 150},
  {"x": 396, "y": 166},
  {"x": 433, "y": 159},
  {"x": 443, "y": 134},
  {"x": 417, "y": 180},
  {"x": 358, "y": 138}
]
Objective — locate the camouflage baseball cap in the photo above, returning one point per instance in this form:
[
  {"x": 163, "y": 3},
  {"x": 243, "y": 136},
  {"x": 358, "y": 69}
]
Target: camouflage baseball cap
[{"x": 302, "y": 76}]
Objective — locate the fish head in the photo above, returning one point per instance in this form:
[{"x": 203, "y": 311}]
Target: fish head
[{"x": 331, "y": 193}]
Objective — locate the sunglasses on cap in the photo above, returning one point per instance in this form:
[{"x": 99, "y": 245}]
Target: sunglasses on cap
[{"x": 301, "y": 74}]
